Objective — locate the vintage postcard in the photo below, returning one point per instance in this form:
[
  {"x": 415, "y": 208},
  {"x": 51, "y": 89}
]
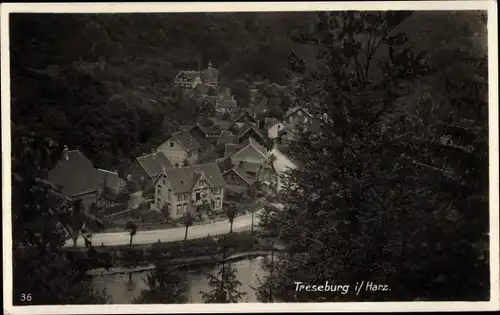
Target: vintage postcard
[{"x": 250, "y": 157}]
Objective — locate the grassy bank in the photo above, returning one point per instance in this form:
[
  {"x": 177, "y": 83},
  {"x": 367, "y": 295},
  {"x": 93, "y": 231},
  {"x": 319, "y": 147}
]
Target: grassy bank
[{"x": 141, "y": 255}]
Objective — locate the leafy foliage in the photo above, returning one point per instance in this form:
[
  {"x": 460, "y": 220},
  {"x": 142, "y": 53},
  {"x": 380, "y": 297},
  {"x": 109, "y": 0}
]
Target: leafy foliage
[
  {"x": 374, "y": 199},
  {"x": 165, "y": 285},
  {"x": 133, "y": 230},
  {"x": 224, "y": 285},
  {"x": 188, "y": 221},
  {"x": 41, "y": 226},
  {"x": 231, "y": 213}
]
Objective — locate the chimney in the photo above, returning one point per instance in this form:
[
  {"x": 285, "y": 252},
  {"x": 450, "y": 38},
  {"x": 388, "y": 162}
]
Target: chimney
[{"x": 65, "y": 153}]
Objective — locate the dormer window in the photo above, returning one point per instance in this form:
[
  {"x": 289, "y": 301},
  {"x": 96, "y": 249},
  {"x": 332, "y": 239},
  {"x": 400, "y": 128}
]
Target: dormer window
[{"x": 171, "y": 144}]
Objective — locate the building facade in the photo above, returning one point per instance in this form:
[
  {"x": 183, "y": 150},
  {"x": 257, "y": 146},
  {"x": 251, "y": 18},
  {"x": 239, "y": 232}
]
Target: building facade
[
  {"x": 185, "y": 189},
  {"x": 181, "y": 149}
]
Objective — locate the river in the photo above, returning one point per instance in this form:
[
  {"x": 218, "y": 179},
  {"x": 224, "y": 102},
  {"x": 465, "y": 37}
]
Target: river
[{"x": 122, "y": 292}]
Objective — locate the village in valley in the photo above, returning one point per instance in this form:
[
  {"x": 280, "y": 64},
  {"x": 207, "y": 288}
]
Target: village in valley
[{"x": 230, "y": 163}]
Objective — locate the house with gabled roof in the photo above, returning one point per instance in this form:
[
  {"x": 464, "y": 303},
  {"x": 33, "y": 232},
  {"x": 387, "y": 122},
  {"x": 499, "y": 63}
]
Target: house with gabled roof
[
  {"x": 243, "y": 118},
  {"x": 298, "y": 115},
  {"x": 198, "y": 132},
  {"x": 181, "y": 149},
  {"x": 77, "y": 178},
  {"x": 184, "y": 189},
  {"x": 206, "y": 105},
  {"x": 192, "y": 79},
  {"x": 274, "y": 127},
  {"x": 238, "y": 180},
  {"x": 249, "y": 130},
  {"x": 210, "y": 76},
  {"x": 226, "y": 103},
  {"x": 144, "y": 169}
]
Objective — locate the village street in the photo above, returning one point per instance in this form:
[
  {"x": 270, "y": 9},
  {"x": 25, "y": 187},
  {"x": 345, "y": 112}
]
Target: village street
[{"x": 241, "y": 223}]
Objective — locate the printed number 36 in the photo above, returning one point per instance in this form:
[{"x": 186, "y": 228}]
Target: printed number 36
[{"x": 26, "y": 297}]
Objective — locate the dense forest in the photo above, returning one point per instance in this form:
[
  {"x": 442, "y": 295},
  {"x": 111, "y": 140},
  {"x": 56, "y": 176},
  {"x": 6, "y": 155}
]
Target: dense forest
[
  {"x": 395, "y": 188},
  {"x": 375, "y": 198}
]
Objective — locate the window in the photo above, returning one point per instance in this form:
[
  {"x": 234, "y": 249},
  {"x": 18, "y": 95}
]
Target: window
[
  {"x": 171, "y": 144},
  {"x": 217, "y": 190},
  {"x": 169, "y": 193},
  {"x": 179, "y": 209},
  {"x": 205, "y": 191},
  {"x": 158, "y": 203},
  {"x": 299, "y": 113},
  {"x": 186, "y": 196},
  {"x": 179, "y": 197},
  {"x": 164, "y": 180},
  {"x": 217, "y": 203},
  {"x": 305, "y": 119},
  {"x": 290, "y": 119},
  {"x": 197, "y": 196},
  {"x": 185, "y": 208}
]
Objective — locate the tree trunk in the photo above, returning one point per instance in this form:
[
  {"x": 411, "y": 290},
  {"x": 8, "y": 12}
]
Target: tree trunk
[
  {"x": 231, "y": 227},
  {"x": 186, "y": 234},
  {"x": 74, "y": 240},
  {"x": 131, "y": 237}
]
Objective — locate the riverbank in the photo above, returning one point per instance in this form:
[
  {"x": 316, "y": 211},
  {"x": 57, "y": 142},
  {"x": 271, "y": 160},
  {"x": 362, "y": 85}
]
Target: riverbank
[
  {"x": 180, "y": 263},
  {"x": 195, "y": 252}
]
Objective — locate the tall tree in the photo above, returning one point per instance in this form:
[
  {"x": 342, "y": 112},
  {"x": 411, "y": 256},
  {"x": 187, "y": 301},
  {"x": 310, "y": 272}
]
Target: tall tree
[
  {"x": 188, "y": 221},
  {"x": 164, "y": 285},
  {"x": 133, "y": 230},
  {"x": 224, "y": 285},
  {"x": 41, "y": 267},
  {"x": 231, "y": 214},
  {"x": 358, "y": 209}
]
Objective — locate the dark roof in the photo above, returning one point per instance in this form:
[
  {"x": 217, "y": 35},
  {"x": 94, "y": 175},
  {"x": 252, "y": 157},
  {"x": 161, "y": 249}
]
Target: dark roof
[
  {"x": 153, "y": 163},
  {"x": 75, "y": 175},
  {"x": 246, "y": 128},
  {"x": 204, "y": 100},
  {"x": 210, "y": 74},
  {"x": 224, "y": 164},
  {"x": 231, "y": 149},
  {"x": 226, "y": 103},
  {"x": 250, "y": 167},
  {"x": 249, "y": 179},
  {"x": 189, "y": 128},
  {"x": 183, "y": 179},
  {"x": 252, "y": 142},
  {"x": 292, "y": 110},
  {"x": 187, "y": 141},
  {"x": 270, "y": 121},
  {"x": 226, "y": 138}
]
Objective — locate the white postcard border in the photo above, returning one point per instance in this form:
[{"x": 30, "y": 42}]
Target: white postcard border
[{"x": 490, "y": 6}]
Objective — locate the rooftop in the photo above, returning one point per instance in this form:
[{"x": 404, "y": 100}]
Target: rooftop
[
  {"x": 75, "y": 174},
  {"x": 153, "y": 163},
  {"x": 183, "y": 179},
  {"x": 187, "y": 141}
]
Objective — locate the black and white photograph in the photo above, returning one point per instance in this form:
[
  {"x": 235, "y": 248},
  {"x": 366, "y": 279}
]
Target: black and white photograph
[{"x": 235, "y": 157}]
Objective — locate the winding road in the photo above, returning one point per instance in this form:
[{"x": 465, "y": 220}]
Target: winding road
[{"x": 241, "y": 223}]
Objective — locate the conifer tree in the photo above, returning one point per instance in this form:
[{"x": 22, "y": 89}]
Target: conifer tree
[
  {"x": 165, "y": 285},
  {"x": 359, "y": 208},
  {"x": 224, "y": 285}
]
